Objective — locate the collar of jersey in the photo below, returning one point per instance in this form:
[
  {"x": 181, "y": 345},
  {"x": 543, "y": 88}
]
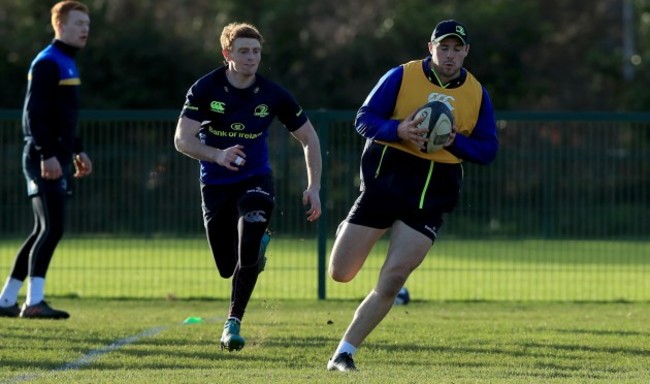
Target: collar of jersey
[
  {"x": 432, "y": 76},
  {"x": 65, "y": 48}
]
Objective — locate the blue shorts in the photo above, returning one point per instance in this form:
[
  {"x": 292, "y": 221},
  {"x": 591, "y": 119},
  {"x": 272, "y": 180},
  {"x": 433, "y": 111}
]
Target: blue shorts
[{"x": 399, "y": 186}]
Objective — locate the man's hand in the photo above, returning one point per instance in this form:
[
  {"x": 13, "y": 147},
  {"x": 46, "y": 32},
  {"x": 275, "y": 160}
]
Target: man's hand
[
  {"x": 408, "y": 130},
  {"x": 82, "y": 165},
  {"x": 51, "y": 169},
  {"x": 452, "y": 137},
  {"x": 311, "y": 197},
  {"x": 232, "y": 157}
]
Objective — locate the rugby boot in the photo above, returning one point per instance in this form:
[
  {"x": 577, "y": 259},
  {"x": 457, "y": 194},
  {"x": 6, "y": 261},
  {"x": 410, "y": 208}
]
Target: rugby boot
[
  {"x": 10, "y": 311},
  {"x": 342, "y": 362},
  {"x": 230, "y": 338},
  {"x": 42, "y": 311}
]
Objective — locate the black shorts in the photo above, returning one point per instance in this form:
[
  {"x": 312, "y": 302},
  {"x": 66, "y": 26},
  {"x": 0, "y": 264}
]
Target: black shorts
[
  {"x": 399, "y": 186},
  {"x": 223, "y": 205},
  {"x": 36, "y": 185},
  {"x": 225, "y": 200}
]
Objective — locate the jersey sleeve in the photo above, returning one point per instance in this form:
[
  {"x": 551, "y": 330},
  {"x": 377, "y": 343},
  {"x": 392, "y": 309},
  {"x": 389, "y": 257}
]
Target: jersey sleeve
[
  {"x": 39, "y": 109},
  {"x": 290, "y": 113},
  {"x": 482, "y": 145},
  {"x": 192, "y": 106},
  {"x": 373, "y": 118}
]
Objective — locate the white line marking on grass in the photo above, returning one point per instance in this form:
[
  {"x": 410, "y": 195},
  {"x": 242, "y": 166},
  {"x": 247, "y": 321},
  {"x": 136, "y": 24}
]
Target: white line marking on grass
[{"x": 95, "y": 354}]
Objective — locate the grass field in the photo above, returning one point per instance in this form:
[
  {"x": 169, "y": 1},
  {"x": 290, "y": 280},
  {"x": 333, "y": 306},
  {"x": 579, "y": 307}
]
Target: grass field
[
  {"x": 483, "y": 312},
  {"x": 456, "y": 270},
  {"x": 145, "y": 341}
]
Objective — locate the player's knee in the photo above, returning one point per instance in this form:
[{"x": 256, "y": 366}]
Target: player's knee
[
  {"x": 53, "y": 229},
  {"x": 226, "y": 270},
  {"x": 256, "y": 208},
  {"x": 225, "y": 261},
  {"x": 52, "y": 234},
  {"x": 341, "y": 275},
  {"x": 341, "y": 278}
]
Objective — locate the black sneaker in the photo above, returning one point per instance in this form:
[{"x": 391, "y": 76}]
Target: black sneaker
[
  {"x": 10, "y": 311},
  {"x": 42, "y": 311},
  {"x": 342, "y": 362}
]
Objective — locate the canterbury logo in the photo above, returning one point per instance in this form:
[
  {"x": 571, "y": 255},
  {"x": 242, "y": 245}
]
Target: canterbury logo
[
  {"x": 218, "y": 106},
  {"x": 446, "y": 99},
  {"x": 255, "y": 217}
]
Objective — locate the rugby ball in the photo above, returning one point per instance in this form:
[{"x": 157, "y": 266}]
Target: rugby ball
[
  {"x": 439, "y": 120},
  {"x": 402, "y": 297}
]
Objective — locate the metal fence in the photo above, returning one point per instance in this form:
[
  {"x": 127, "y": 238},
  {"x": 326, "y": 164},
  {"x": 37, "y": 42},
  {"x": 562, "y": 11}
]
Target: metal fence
[{"x": 565, "y": 186}]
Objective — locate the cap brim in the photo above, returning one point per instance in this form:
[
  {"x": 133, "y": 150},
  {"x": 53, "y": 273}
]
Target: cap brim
[{"x": 440, "y": 38}]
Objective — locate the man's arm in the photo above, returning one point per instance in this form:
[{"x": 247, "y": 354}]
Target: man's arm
[
  {"x": 307, "y": 136},
  {"x": 39, "y": 108},
  {"x": 482, "y": 145},
  {"x": 373, "y": 118},
  {"x": 39, "y": 114},
  {"x": 187, "y": 142}
]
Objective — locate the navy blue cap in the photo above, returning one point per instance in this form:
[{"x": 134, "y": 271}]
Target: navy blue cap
[{"x": 448, "y": 28}]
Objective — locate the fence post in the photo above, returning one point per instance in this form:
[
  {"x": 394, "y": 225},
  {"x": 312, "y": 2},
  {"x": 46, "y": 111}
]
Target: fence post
[{"x": 323, "y": 133}]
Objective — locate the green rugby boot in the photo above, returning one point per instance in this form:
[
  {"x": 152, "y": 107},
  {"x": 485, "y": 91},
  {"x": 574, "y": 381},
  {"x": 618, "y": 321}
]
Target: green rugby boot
[{"x": 230, "y": 338}]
